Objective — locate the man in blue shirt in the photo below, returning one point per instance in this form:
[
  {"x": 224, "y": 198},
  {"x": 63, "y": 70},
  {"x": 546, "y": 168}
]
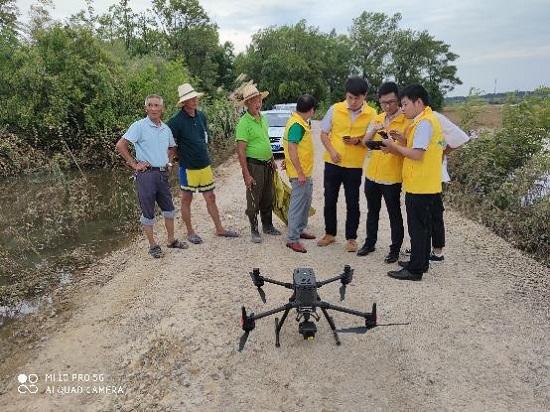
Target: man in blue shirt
[
  {"x": 190, "y": 131},
  {"x": 154, "y": 147}
]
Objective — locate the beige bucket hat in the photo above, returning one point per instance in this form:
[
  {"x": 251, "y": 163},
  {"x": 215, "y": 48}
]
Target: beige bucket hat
[
  {"x": 186, "y": 92},
  {"x": 249, "y": 91}
]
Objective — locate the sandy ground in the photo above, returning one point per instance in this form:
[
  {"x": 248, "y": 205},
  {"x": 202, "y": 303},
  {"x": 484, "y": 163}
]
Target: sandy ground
[{"x": 473, "y": 335}]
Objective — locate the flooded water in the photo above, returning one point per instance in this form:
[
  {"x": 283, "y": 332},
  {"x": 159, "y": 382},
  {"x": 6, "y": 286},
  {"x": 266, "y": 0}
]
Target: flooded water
[{"x": 53, "y": 226}]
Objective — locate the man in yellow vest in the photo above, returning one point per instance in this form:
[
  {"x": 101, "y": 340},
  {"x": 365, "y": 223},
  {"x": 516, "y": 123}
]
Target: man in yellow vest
[
  {"x": 421, "y": 177},
  {"x": 298, "y": 148},
  {"x": 342, "y": 131},
  {"x": 383, "y": 174}
]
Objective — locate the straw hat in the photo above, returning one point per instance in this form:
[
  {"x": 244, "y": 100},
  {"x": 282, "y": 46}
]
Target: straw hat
[
  {"x": 245, "y": 92},
  {"x": 249, "y": 91},
  {"x": 186, "y": 92}
]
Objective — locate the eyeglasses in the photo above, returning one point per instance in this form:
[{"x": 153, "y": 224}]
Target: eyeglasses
[{"x": 388, "y": 102}]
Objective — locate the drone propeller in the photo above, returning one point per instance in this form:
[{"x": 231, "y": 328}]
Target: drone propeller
[
  {"x": 242, "y": 341},
  {"x": 262, "y": 294},
  {"x": 247, "y": 324},
  {"x": 342, "y": 292}
]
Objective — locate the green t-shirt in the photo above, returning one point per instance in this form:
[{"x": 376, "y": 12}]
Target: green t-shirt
[
  {"x": 296, "y": 133},
  {"x": 255, "y": 134}
]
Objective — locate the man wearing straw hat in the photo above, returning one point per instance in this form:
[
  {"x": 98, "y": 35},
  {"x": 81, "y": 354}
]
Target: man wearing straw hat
[
  {"x": 190, "y": 131},
  {"x": 256, "y": 159}
]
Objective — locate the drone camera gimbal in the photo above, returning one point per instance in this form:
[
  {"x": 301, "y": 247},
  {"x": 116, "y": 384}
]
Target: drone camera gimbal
[{"x": 305, "y": 299}]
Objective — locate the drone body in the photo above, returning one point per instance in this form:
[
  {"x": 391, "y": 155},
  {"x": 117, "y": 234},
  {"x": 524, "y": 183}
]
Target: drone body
[{"x": 305, "y": 299}]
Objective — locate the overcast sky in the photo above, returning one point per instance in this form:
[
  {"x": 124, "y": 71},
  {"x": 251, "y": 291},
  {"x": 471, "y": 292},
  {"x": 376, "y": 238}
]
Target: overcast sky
[{"x": 507, "y": 41}]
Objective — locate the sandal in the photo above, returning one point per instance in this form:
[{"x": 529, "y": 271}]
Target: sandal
[
  {"x": 155, "y": 251},
  {"x": 195, "y": 239},
  {"x": 229, "y": 233},
  {"x": 178, "y": 244}
]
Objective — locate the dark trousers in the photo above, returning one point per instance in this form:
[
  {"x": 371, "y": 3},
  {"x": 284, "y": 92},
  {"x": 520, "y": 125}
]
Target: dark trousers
[
  {"x": 374, "y": 193},
  {"x": 438, "y": 226},
  {"x": 259, "y": 198},
  {"x": 334, "y": 177},
  {"x": 420, "y": 208}
]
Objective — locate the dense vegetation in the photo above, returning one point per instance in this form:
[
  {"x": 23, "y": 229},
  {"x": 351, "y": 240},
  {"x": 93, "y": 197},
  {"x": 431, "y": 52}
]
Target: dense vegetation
[
  {"x": 502, "y": 178},
  {"x": 71, "y": 88}
]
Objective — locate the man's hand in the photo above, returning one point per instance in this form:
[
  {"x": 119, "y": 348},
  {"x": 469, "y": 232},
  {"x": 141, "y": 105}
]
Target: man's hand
[
  {"x": 335, "y": 156},
  {"x": 249, "y": 181},
  {"x": 352, "y": 140},
  {"x": 301, "y": 179},
  {"x": 283, "y": 164},
  {"x": 389, "y": 146},
  {"x": 394, "y": 134},
  {"x": 141, "y": 166}
]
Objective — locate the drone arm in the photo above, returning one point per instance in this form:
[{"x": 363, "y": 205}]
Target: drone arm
[
  {"x": 273, "y": 311},
  {"x": 275, "y": 282},
  {"x": 324, "y": 282},
  {"x": 325, "y": 305},
  {"x": 345, "y": 277}
]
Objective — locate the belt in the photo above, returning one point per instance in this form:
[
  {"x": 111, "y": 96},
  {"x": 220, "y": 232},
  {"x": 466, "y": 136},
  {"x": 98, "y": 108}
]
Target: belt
[
  {"x": 158, "y": 169},
  {"x": 259, "y": 162}
]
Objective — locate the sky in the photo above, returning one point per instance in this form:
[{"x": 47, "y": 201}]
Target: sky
[{"x": 503, "y": 45}]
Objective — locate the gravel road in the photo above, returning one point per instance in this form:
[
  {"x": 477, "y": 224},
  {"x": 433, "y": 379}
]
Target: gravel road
[{"x": 162, "y": 334}]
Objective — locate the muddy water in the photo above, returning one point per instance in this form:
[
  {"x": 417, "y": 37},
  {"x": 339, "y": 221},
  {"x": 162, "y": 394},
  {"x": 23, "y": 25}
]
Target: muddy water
[{"x": 53, "y": 225}]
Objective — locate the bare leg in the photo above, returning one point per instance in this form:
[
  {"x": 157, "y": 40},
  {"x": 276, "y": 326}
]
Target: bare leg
[
  {"x": 212, "y": 208},
  {"x": 186, "y": 198},
  {"x": 169, "y": 223},
  {"x": 148, "y": 230}
]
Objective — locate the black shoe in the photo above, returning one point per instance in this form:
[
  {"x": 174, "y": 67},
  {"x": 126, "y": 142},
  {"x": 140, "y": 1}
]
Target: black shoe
[
  {"x": 436, "y": 258},
  {"x": 365, "y": 250},
  {"x": 271, "y": 230},
  {"x": 404, "y": 274},
  {"x": 405, "y": 264},
  {"x": 392, "y": 257}
]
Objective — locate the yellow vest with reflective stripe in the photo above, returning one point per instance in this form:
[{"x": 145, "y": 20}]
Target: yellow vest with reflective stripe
[
  {"x": 386, "y": 167},
  {"x": 352, "y": 156},
  {"x": 424, "y": 176},
  {"x": 305, "y": 147}
]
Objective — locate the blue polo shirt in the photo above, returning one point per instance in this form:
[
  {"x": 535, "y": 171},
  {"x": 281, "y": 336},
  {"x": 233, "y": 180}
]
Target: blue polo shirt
[{"x": 150, "y": 141}]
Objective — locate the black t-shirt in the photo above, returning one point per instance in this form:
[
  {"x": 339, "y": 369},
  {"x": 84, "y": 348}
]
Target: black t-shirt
[{"x": 190, "y": 134}]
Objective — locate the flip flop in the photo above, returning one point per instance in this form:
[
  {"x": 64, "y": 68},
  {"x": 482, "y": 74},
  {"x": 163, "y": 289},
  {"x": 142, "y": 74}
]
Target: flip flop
[
  {"x": 178, "y": 244},
  {"x": 155, "y": 251},
  {"x": 195, "y": 239},
  {"x": 229, "y": 233}
]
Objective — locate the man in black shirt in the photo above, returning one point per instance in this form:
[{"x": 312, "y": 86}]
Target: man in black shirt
[{"x": 190, "y": 131}]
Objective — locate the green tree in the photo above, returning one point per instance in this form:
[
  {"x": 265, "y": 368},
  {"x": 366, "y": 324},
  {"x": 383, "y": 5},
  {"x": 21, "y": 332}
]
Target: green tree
[
  {"x": 191, "y": 35},
  {"x": 225, "y": 58},
  {"x": 292, "y": 60},
  {"x": 417, "y": 57},
  {"x": 371, "y": 36}
]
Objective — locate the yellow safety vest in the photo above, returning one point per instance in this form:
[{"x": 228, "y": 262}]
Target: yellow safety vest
[
  {"x": 424, "y": 176},
  {"x": 352, "y": 156},
  {"x": 305, "y": 147},
  {"x": 386, "y": 167}
]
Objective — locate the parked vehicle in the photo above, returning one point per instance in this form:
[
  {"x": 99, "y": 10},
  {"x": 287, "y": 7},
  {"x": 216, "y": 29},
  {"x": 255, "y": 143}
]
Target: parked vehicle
[{"x": 276, "y": 119}]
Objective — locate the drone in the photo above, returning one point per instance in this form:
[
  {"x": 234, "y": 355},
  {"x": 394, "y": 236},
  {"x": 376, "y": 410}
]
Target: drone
[{"x": 305, "y": 299}]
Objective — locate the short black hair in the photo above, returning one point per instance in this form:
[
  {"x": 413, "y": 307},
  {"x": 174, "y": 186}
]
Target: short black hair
[
  {"x": 387, "y": 88},
  {"x": 305, "y": 103},
  {"x": 415, "y": 92},
  {"x": 357, "y": 86}
]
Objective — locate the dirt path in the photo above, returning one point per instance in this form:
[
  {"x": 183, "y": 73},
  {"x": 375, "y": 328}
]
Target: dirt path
[{"x": 165, "y": 332}]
